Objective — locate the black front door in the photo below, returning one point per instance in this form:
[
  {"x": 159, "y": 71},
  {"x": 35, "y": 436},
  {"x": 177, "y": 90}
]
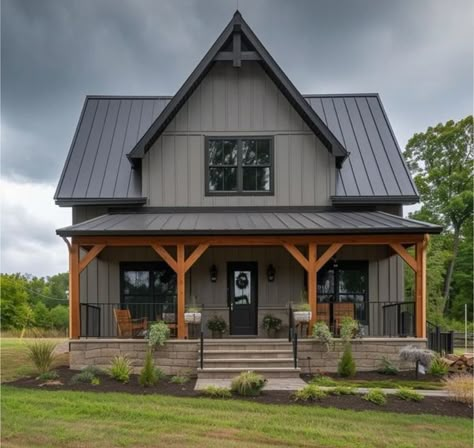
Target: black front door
[{"x": 242, "y": 296}]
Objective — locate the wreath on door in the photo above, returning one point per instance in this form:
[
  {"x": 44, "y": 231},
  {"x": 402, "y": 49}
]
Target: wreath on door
[{"x": 242, "y": 281}]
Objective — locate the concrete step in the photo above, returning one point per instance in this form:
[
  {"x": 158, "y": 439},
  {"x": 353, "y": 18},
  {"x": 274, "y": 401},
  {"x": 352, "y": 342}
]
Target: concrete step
[
  {"x": 229, "y": 345},
  {"x": 254, "y": 354},
  {"x": 232, "y": 372},
  {"x": 248, "y": 363}
]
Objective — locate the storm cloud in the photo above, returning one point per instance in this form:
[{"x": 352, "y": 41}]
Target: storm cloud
[{"x": 417, "y": 55}]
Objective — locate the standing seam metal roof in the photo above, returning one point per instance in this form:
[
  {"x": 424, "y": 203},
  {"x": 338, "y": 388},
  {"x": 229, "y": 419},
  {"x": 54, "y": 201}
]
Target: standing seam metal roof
[{"x": 97, "y": 169}]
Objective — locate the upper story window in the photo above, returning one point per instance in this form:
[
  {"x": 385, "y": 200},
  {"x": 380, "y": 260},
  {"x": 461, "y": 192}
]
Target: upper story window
[{"x": 239, "y": 166}]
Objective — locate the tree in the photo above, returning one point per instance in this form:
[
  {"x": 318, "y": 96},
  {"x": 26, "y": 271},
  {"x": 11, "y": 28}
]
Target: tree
[
  {"x": 13, "y": 302},
  {"x": 41, "y": 315},
  {"x": 59, "y": 316},
  {"x": 441, "y": 160}
]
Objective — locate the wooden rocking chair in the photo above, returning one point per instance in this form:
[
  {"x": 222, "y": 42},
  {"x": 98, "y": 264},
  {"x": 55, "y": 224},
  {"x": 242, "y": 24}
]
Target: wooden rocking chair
[
  {"x": 128, "y": 327},
  {"x": 340, "y": 311}
]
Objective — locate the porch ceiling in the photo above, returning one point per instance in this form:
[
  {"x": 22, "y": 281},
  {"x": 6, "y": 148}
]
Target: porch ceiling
[{"x": 247, "y": 222}]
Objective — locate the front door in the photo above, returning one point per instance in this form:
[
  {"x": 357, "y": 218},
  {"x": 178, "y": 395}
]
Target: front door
[{"x": 242, "y": 297}]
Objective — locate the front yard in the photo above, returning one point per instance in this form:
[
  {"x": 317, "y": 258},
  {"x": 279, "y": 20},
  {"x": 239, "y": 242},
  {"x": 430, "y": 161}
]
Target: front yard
[{"x": 40, "y": 417}]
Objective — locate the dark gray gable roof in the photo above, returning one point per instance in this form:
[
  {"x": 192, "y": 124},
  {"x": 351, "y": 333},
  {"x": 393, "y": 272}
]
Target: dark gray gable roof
[
  {"x": 274, "y": 72},
  {"x": 250, "y": 222},
  {"x": 97, "y": 170}
]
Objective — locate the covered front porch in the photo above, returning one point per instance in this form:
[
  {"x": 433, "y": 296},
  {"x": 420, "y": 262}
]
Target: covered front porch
[{"x": 179, "y": 267}]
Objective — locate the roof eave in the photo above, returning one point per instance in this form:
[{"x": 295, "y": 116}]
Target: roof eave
[
  {"x": 375, "y": 200},
  {"x": 70, "y": 202}
]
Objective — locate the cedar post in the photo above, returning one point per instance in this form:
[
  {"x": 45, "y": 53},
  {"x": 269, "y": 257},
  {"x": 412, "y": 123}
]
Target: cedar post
[
  {"x": 420, "y": 288},
  {"x": 312, "y": 280},
  {"x": 74, "y": 292},
  {"x": 181, "y": 302}
]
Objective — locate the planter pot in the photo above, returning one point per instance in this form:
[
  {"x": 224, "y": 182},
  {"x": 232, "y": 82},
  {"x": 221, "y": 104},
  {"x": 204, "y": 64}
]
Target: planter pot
[
  {"x": 192, "y": 318},
  {"x": 217, "y": 335},
  {"x": 272, "y": 333},
  {"x": 302, "y": 316}
]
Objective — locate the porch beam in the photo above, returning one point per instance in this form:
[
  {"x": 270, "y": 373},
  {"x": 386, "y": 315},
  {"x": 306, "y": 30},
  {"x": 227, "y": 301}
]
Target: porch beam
[
  {"x": 420, "y": 288},
  {"x": 405, "y": 255},
  {"x": 181, "y": 284},
  {"x": 248, "y": 240},
  {"x": 94, "y": 252},
  {"x": 74, "y": 293},
  {"x": 163, "y": 253},
  {"x": 328, "y": 254},
  {"x": 196, "y": 254},
  {"x": 299, "y": 257}
]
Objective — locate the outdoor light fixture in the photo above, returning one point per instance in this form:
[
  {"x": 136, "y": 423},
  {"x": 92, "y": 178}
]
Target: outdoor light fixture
[
  {"x": 334, "y": 262},
  {"x": 213, "y": 273},
  {"x": 271, "y": 273}
]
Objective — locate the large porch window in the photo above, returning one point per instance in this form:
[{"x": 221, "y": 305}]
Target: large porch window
[{"x": 148, "y": 290}]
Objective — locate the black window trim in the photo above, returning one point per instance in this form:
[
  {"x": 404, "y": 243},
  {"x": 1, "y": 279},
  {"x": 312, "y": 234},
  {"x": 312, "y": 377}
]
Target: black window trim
[{"x": 239, "y": 191}]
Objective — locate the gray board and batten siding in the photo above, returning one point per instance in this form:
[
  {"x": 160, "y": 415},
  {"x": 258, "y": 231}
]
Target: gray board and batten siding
[
  {"x": 241, "y": 102},
  {"x": 100, "y": 281}
]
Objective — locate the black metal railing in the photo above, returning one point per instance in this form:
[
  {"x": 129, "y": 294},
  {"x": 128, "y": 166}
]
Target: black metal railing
[
  {"x": 295, "y": 349},
  {"x": 291, "y": 324},
  {"x": 438, "y": 340},
  {"x": 399, "y": 319},
  {"x": 98, "y": 319},
  {"x": 201, "y": 346}
]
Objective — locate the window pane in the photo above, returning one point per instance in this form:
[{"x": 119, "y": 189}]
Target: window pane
[
  {"x": 263, "y": 179},
  {"x": 352, "y": 280},
  {"x": 326, "y": 283},
  {"x": 263, "y": 152},
  {"x": 136, "y": 283},
  {"x": 216, "y": 152},
  {"x": 216, "y": 179},
  {"x": 164, "y": 284},
  {"x": 249, "y": 179},
  {"x": 230, "y": 152},
  {"x": 230, "y": 179},
  {"x": 249, "y": 152}
]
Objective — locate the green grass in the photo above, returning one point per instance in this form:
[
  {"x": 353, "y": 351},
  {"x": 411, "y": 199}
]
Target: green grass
[
  {"x": 14, "y": 359},
  {"x": 40, "y": 418}
]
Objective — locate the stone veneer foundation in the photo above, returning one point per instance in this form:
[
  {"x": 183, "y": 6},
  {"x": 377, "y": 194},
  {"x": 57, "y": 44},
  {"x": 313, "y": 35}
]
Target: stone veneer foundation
[{"x": 181, "y": 356}]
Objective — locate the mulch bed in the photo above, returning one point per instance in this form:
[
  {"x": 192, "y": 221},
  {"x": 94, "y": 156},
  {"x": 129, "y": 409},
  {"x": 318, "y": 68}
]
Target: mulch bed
[{"x": 430, "y": 405}]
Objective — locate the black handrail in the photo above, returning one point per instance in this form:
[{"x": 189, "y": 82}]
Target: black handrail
[
  {"x": 291, "y": 323},
  {"x": 295, "y": 349}
]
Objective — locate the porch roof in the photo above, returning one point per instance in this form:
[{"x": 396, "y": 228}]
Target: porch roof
[{"x": 248, "y": 222}]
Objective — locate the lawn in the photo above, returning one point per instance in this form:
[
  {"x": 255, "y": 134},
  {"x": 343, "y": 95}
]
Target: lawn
[
  {"x": 86, "y": 419},
  {"x": 70, "y": 419},
  {"x": 15, "y": 362}
]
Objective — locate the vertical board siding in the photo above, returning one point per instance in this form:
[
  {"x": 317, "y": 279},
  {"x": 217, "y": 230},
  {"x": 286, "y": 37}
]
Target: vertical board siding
[{"x": 237, "y": 102}]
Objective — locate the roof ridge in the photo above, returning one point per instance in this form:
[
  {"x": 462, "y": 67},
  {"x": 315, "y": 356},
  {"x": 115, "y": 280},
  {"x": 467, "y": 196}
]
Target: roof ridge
[{"x": 134, "y": 97}]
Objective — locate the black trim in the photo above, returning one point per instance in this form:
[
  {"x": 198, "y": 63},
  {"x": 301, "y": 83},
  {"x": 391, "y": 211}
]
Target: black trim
[
  {"x": 239, "y": 191},
  {"x": 374, "y": 200},
  {"x": 100, "y": 201}
]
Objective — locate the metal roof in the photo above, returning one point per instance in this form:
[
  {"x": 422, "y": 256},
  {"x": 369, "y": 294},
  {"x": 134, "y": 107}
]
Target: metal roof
[
  {"x": 205, "y": 222},
  {"x": 97, "y": 170}
]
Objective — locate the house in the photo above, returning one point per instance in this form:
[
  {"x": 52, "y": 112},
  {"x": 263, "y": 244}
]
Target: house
[{"x": 244, "y": 194}]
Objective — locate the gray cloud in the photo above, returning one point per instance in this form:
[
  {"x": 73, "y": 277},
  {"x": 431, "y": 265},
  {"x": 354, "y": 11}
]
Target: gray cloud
[{"x": 417, "y": 54}]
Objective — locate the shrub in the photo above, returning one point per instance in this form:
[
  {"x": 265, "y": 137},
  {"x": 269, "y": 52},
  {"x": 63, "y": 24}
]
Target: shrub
[
  {"x": 84, "y": 376},
  {"x": 48, "y": 376},
  {"x": 96, "y": 371},
  {"x": 95, "y": 381},
  {"x": 148, "y": 372},
  {"x": 159, "y": 333},
  {"x": 217, "y": 324},
  {"x": 460, "y": 388},
  {"x": 349, "y": 329},
  {"x": 376, "y": 396},
  {"x": 216, "y": 392},
  {"x": 438, "y": 367},
  {"x": 248, "y": 384},
  {"x": 159, "y": 374},
  {"x": 271, "y": 322},
  {"x": 414, "y": 354},
  {"x": 387, "y": 367},
  {"x": 343, "y": 390},
  {"x": 179, "y": 379},
  {"x": 41, "y": 353},
  {"x": 323, "y": 334},
  {"x": 120, "y": 369},
  {"x": 310, "y": 392},
  {"x": 322, "y": 380},
  {"x": 408, "y": 394},
  {"x": 346, "y": 366}
]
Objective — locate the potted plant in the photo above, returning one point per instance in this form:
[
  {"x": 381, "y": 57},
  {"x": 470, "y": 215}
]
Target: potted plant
[
  {"x": 217, "y": 325},
  {"x": 193, "y": 314},
  {"x": 302, "y": 309},
  {"x": 272, "y": 325}
]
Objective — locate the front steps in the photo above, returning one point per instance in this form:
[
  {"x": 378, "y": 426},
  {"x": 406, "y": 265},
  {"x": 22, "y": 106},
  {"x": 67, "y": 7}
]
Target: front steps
[{"x": 226, "y": 358}]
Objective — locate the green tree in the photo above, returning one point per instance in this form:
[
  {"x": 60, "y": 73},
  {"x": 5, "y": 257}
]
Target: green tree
[
  {"x": 41, "y": 315},
  {"x": 13, "y": 301},
  {"x": 59, "y": 316},
  {"x": 441, "y": 160}
]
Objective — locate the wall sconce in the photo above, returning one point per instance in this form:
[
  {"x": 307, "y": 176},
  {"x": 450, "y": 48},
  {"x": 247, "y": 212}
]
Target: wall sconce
[
  {"x": 271, "y": 273},
  {"x": 334, "y": 263},
  {"x": 213, "y": 273}
]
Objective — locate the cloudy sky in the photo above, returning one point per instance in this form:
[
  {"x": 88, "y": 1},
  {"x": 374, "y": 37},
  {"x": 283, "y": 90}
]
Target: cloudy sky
[{"x": 417, "y": 54}]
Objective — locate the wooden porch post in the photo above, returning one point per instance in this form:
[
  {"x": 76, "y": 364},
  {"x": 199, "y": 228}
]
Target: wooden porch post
[
  {"x": 181, "y": 302},
  {"x": 420, "y": 288},
  {"x": 312, "y": 280},
  {"x": 74, "y": 292}
]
